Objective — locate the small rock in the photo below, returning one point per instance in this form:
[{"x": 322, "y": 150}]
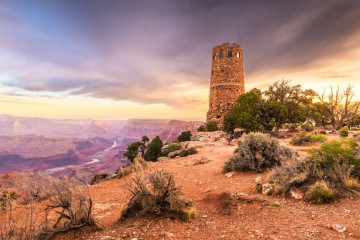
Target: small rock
[
  {"x": 229, "y": 174},
  {"x": 339, "y": 228},
  {"x": 204, "y": 216},
  {"x": 207, "y": 190}
]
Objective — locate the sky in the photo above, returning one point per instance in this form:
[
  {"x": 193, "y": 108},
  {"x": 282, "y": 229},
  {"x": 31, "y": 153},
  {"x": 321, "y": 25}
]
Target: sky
[{"x": 152, "y": 59}]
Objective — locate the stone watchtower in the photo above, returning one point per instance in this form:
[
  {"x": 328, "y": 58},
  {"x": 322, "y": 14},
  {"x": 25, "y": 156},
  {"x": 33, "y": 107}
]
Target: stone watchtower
[{"x": 226, "y": 81}]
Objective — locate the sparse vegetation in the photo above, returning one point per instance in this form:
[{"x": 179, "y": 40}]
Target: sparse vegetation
[
  {"x": 72, "y": 206},
  {"x": 212, "y": 127},
  {"x": 330, "y": 171},
  {"x": 157, "y": 194},
  {"x": 153, "y": 150},
  {"x": 257, "y": 152},
  {"x": 184, "y": 136},
  {"x": 170, "y": 148},
  {"x": 187, "y": 152},
  {"x": 307, "y": 127},
  {"x": 201, "y": 128},
  {"x": 138, "y": 164},
  {"x": 339, "y": 107},
  {"x": 303, "y": 138},
  {"x": 283, "y": 103},
  {"x": 6, "y": 198},
  {"x": 344, "y": 132},
  {"x": 318, "y": 138},
  {"x": 20, "y": 225},
  {"x": 320, "y": 192}
]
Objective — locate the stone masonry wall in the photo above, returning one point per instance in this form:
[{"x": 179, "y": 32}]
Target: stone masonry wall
[{"x": 226, "y": 81}]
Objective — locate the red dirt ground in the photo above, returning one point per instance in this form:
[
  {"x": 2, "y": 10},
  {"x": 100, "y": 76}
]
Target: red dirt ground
[{"x": 205, "y": 184}]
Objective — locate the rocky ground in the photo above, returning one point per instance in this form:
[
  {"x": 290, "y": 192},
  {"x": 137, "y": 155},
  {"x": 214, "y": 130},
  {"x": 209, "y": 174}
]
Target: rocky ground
[{"x": 266, "y": 217}]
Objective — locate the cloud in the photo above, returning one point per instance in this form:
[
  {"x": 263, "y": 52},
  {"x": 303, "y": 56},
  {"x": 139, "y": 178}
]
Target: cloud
[{"x": 158, "y": 51}]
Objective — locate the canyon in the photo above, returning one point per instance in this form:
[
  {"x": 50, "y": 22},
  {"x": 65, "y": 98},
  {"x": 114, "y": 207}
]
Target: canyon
[{"x": 62, "y": 147}]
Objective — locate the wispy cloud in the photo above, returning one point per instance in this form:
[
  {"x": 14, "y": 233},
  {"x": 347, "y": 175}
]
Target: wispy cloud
[{"x": 159, "y": 51}]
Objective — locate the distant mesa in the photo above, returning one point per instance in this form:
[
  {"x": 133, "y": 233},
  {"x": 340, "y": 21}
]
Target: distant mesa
[{"x": 226, "y": 81}]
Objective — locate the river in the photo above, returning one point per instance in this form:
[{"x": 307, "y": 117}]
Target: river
[{"x": 94, "y": 160}]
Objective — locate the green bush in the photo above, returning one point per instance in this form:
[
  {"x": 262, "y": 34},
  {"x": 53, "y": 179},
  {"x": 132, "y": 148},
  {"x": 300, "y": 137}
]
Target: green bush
[
  {"x": 320, "y": 193},
  {"x": 301, "y": 139},
  {"x": 170, "y": 148},
  {"x": 153, "y": 150},
  {"x": 307, "y": 127},
  {"x": 184, "y": 136},
  {"x": 336, "y": 163},
  {"x": 304, "y": 138},
  {"x": 202, "y": 128},
  {"x": 187, "y": 152},
  {"x": 344, "y": 132},
  {"x": 318, "y": 138},
  {"x": 257, "y": 152},
  {"x": 211, "y": 127}
]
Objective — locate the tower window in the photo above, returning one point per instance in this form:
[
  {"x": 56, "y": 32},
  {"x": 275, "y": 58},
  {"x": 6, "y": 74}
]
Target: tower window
[
  {"x": 221, "y": 55},
  {"x": 229, "y": 53},
  {"x": 212, "y": 72},
  {"x": 214, "y": 56},
  {"x": 238, "y": 55}
]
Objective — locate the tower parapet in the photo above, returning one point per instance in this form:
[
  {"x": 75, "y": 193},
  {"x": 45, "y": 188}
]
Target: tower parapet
[{"x": 226, "y": 81}]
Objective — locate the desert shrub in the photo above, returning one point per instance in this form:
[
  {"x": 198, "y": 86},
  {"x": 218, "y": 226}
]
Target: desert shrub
[
  {"x": 344, "y": 132},
  {"x": 132, "y": 151},
  {"x": 100, "y": 177},
  {"x": 335, "y": 164},
  {"x": 307, "y": 127},
  {"x": 71, "y": 208},
  {"x": 201, "y": 128},
  {"x": 184, "y": 136},
  {"x": 355, "y": 128},
  {"x": 301, "y": 139},
  {"x": 318, "y": 138},
  {"x": 284, "y": 178},
  {"x": 6, "y": 198},
  {"x": 257, "y": 152},
  {"x": 320, "y": 193},
  {"x": 352, "y": 183},
  {"x": 170, "y": 148},
  {"x": 331, "y": 155},
  {"x": 304, "y": 138},
  {"x": 157, "y": 194},
  {"x": 138, "y": 164},
  {"x": 211, "y": 127},
  {"x": 153, "y": 150},
  {"x": 187, "y": 152},
  {"x": 18, "y": 225}
]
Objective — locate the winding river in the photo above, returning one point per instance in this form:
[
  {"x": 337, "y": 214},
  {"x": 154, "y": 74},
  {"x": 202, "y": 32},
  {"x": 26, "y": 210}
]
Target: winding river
[{"x": 94, "y": 160}]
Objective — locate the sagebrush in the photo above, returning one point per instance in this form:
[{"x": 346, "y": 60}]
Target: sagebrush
[
  {"x": 329, "y": 172},
  {"x": 157, "y": 194},
  {"x": 257, "y": 152}
]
